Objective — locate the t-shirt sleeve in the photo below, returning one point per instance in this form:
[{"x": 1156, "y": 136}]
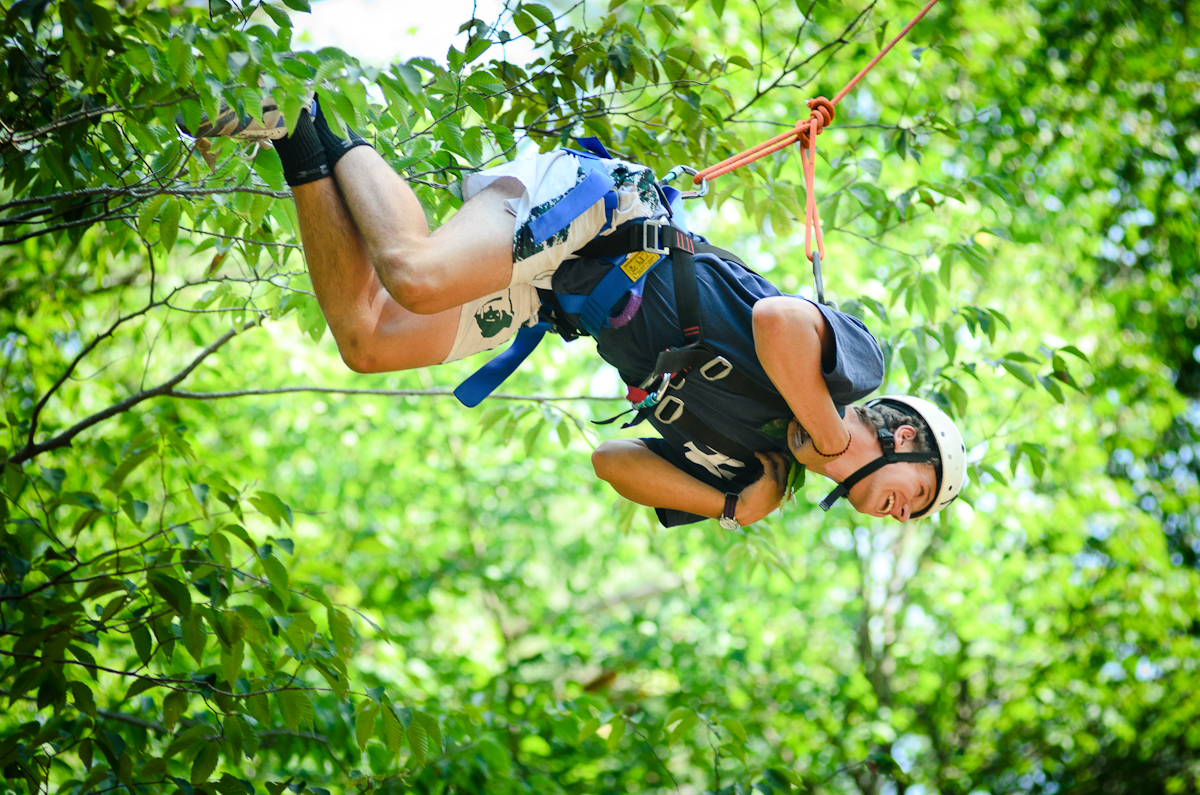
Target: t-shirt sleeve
[{"x": 857, "y": 366}]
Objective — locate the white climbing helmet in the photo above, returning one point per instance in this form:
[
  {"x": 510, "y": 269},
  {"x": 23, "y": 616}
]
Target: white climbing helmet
[
  {"x": 947, "y": 443},
  {"x": 948, "y": 448}
]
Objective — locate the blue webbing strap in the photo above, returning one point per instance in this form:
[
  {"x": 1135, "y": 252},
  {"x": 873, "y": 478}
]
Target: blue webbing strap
[
  {"x": 593, "y": 145},
  {"x": 485, "y": 380},
  {"x": 591, "y": 189},
  {"x": 600, "y": 301}
]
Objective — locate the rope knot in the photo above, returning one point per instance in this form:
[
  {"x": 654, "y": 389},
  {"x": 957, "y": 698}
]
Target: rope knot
[{"x": 822, "y": 115}]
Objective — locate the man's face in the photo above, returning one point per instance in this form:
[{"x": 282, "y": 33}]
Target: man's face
[{"x": 896, "y": 490}]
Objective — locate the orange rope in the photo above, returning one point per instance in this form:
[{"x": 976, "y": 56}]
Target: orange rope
[{"x": 805, "y": 134}]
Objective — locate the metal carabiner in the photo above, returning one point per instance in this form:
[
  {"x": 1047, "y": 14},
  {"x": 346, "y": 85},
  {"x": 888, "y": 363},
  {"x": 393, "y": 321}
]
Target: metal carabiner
[
  {"x": 820, "y": 283},
  {"x": 652, "y": 398},
  {"x": 679, "y": 171}
]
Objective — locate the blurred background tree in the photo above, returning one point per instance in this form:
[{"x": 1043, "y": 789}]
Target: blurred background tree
[{"x": 230, "y": 565}]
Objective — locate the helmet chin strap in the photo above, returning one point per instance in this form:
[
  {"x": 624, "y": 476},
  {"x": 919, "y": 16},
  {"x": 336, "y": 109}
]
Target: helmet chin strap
[{"x": 887, "y": 443}]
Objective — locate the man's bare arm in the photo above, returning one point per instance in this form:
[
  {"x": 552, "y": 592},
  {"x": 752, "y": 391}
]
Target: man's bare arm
[
  {"x": 790, "y": 336},
  {"x": 642, "y": 476}
]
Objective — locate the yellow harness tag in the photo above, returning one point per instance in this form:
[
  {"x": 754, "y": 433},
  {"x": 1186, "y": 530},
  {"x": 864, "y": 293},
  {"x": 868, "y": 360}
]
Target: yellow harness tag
[{"x": 637, "y": 263}]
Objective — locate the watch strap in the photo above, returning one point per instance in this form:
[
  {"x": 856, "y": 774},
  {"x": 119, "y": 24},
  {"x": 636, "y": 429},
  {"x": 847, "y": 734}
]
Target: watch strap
[{"x": 730, "y": 511}]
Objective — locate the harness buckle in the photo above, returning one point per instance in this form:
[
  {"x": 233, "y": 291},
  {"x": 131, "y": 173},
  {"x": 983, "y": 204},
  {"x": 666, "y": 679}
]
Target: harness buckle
[
  {"x": 668, "y": 401},
  {"x": 656, "y": 225},
  {"x": 712, "y": 364}
]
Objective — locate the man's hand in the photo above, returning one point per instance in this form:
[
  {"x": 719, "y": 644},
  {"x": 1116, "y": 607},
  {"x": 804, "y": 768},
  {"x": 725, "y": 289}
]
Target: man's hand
[{"x": 764, "y": 495}]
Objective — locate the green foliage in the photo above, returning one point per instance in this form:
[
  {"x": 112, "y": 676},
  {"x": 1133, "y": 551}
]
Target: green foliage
[{"x": 211, "y": 585}]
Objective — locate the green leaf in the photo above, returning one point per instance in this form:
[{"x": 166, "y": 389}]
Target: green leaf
[
  {"x": 393, "y": 730},
  {"x": 277, "y": 575},
  {"x": 124, "y": 469},
  {"x": 298, "y": 5},
  {"x": 270, "y": 505},
  {"x": 260, "y": 707},
  {"x": 187, "y": 738},
  {"x": 1018, "y": 371},
  {"x": 232, "y": 659},
  {"x": 1071, "y": 349},
  {"x": 532, "y": 434},
  {"x": 342, "y": 632},
  {"x": 664, "y": 17},
  {"x": 94, "y": 777},
  {"x": 735, "y": 728},
  {"x": 588, "y": 728},
  {"x": 615, "y": 733},
  {"x": 206, "y": 762},
  {"x": 220, "y": 548},
  {"x": 495, "y": 756},
  {"x": 1052, "y": 387},
  {"x": 685, "y": 724},
  {"x": 418, "y": 742},
  {"x": 194, "y": 637},
  {"x": 476, "y": 49},
  {"x": 432, "y": 730},
  {"x": 142, "y": 642},
  {"x": 168, "y": 225},
  {"x": 149, "y": 212},
  {"x": 54, "y": 478},
  {"x": 881, "y": 34},
  {"x": 956, "y": 54},
  {"x": 174, "y": 703},
  {"x": 295, "y": 707},
  {"x": 84, "y": 700},
  {"x": 929, "y": 296},
  {"x": 364, "y": 724},
  {"x": 174, "y": 592}
]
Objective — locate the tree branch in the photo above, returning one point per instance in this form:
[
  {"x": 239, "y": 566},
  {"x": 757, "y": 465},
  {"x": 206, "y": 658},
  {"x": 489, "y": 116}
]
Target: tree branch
[{"x": 64, "y": 439}]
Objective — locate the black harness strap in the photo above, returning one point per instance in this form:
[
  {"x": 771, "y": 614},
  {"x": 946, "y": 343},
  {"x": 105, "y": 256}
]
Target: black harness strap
[
  {"x": 887, "y": 442},
  {"x": 710, "y": 366}
]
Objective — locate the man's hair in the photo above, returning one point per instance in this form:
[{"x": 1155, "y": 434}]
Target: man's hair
[{"x": 882, "y": 415}]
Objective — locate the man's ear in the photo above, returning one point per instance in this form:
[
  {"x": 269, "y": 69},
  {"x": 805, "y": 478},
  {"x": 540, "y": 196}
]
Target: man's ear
[{"x": 905, "y": 435}]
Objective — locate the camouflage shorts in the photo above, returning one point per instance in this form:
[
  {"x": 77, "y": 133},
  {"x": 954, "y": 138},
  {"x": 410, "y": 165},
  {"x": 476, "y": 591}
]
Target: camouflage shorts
[{"x": 491, "y": 321}]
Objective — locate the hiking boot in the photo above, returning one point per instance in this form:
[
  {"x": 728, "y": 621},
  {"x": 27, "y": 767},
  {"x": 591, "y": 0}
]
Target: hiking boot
[{"x": 228, "y": 124}]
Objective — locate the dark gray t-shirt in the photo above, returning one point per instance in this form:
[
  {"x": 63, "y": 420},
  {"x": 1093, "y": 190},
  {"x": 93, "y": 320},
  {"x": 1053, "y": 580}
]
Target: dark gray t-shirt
[{"x": 728, "y": 293}]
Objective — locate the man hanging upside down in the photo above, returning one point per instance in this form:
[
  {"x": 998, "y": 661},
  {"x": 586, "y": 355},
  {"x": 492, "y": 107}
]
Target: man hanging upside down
[{"x": 735, "y": 376}]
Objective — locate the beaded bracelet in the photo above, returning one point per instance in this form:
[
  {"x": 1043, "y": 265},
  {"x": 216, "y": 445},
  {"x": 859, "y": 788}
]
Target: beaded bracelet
[{"x": 832, "y": 455}]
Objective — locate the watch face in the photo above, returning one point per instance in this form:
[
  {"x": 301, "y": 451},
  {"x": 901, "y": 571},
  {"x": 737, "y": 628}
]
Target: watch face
[{"x": 728, "y": 522}]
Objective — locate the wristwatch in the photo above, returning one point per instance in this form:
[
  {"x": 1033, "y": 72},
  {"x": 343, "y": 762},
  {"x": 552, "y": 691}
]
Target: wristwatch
[{"x": 728, "y": 518}]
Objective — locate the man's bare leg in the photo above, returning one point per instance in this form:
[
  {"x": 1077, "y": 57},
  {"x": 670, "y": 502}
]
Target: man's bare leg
[
  {"x": 373, "y": 332},
  {"x": 468, "y": 257}
]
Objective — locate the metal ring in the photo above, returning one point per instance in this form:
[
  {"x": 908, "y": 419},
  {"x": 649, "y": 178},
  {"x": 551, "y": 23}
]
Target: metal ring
[
  {"x": 658, "y": 412},
  {"x": 718, "y": 360}
]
